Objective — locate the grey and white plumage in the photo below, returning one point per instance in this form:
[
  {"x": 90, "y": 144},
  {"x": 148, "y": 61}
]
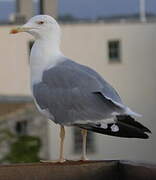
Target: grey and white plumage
[
  {"x": 71, "y": 90},
  {"x": 75, "y": 95},
  {"x": 71, "y": 94},
  {"x": 68, "y": 91}
]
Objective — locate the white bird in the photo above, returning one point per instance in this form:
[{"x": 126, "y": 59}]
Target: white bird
[{"x": 71, "y": 94}]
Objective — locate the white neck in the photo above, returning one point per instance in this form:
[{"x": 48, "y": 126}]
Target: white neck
[{"x": 45, "y": 53}]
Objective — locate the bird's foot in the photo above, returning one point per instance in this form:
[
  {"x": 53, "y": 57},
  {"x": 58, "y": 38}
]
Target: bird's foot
[
  {"x": 53, "y": 161},
  {"x": 84, "y": 158},
  {"x": 62, "y": 160}
]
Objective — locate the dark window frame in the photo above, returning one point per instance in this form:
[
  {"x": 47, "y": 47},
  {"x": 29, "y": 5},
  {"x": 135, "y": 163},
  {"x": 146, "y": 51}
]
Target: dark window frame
[
  {"x": 21, "y": 127},
  {"x": 114, "y": 50},
  {"x": 77, "y": 141},
  {"x": 30, "y": 44}
]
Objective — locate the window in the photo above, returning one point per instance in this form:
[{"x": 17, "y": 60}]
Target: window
[
  {"x": 114, "y": 51},
  {"x": 30, "y": 45},
  {"x": 77, "y": 140},
  {"x": 21, "y": 127}
]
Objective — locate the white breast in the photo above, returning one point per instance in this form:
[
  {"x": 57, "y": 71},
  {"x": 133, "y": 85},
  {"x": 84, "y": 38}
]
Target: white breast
[{"x": 42, "y": 58}]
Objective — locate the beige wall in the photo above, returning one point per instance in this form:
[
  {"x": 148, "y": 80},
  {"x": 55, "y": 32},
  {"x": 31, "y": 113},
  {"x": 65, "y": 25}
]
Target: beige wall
[
  {"x": 134, "y": 78},
  {"x": 26, "y": 8},
  {"x": 50, "y": 7},
  {"x": 14, "y": 71}
]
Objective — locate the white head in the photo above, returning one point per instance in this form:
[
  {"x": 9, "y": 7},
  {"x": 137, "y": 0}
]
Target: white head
[
  {"x": 45, "y": 51},
  {"x": 41, "y": 27}
]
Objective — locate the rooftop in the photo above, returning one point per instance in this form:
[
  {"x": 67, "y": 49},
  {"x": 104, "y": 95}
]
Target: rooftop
[{"x": 69, "y": 19}]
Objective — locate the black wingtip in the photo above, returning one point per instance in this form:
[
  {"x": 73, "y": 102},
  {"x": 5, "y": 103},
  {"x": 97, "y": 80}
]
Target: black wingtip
[
  {"x": 125, "y": 130},
  {"x": 148, "y": 131},
  {"x": 144, "y": 136},
  {"x": 132, "y": 122}
]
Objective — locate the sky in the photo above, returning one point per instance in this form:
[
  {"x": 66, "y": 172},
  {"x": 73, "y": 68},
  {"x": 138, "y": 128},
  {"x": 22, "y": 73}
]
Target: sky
[
  {"x": 87, "y": 8},
  {"x": 93, "y": 8}
]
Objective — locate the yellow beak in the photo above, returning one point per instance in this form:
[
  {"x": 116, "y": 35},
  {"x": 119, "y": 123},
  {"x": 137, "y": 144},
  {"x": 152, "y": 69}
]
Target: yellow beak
[{"x": 19, "y": 29}]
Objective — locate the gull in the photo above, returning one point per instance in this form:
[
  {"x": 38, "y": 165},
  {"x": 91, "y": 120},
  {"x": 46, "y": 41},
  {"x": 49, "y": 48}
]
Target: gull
[{"x": 71, "y": 94}]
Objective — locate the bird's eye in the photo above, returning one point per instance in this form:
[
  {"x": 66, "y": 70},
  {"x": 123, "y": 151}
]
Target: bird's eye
[{"x": 40, "y": 22}]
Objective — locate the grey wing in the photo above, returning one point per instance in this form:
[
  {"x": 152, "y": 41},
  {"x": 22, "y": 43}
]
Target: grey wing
[
  {"x": 107, "y": 90},
  {"x": 71, "y": 93}
]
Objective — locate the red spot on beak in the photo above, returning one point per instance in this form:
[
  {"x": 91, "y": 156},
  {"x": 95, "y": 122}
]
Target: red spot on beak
[{"x": 14, "y": 31}]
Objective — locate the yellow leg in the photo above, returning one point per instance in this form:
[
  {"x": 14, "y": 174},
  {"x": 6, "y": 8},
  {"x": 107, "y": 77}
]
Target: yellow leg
[
  {"x": 84, "y": 140},
  {"x": 62, "y": 136},
  {"x": 61, "y": 156}
]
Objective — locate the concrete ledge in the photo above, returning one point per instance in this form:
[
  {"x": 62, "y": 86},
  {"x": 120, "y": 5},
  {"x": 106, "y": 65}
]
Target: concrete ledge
[{"x": 70, "y": 170}]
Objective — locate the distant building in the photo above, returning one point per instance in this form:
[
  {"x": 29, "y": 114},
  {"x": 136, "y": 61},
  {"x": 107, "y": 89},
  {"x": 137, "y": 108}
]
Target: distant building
[
  {"x": 25, "y": 9},
  {"x": 19, "y": 117}
]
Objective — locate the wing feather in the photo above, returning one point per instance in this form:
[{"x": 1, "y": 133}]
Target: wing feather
[{"x": 70, "y": 88}]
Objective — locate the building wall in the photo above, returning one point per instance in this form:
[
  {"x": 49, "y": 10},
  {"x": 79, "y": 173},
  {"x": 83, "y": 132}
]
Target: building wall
[
  {"x": 134, "y": 78},
  {"x": 31, "y": 124},
  {"x": 14, "y": 66},
  {"x": 26, "y": 8},
  {"x": 50, "y": 8}
]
